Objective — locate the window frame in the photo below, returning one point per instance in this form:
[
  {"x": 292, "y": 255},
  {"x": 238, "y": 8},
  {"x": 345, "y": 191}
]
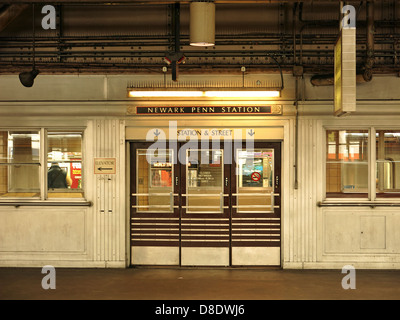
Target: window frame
[
  {"x": 372, "y": 170},
  {"x": 43, "y": 140},
  {"x": 383, "y": 196},
  {"x": 45, "y": 165},
  {"x": 40, "y": 132}
]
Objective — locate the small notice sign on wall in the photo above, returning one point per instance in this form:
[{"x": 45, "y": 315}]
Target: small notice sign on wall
[{"x": 105, "y": 165}]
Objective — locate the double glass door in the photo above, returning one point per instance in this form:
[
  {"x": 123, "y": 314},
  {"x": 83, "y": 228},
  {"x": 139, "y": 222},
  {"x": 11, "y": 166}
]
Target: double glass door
[{"x": 208, "y": 206}]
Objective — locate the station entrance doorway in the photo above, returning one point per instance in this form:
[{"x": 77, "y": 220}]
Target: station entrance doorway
[{"x": 205, "y": 206}]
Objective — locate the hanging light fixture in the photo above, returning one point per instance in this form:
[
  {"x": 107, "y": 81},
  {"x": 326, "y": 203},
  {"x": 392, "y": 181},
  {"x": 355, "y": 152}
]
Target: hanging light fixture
[
  {"x": 202, "y": 23},
  {"x": 27, "y": 78}
]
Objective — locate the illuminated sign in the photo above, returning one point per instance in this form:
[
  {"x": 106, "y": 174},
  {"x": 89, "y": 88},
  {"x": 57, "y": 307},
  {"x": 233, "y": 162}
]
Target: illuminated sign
[{"x": 206, "y": 110}]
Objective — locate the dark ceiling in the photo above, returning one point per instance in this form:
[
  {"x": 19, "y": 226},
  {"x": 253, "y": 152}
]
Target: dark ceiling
[{"x": 135, "y": 37}]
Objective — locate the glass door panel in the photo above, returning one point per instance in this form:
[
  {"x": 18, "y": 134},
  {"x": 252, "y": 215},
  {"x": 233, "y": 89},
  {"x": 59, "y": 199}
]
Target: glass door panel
[
  {"x": 205, "y": 214},
  {"x": 155, "y": 222},
  {"x": 256, "y": 212},
  {"x": 255, "y": 172},
  {"x": 204, "y": 187},
  {"x": 154, "y": 180}
]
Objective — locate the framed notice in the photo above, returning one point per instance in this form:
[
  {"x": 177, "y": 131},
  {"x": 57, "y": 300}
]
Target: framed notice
[{"x": 105, "y": 165}]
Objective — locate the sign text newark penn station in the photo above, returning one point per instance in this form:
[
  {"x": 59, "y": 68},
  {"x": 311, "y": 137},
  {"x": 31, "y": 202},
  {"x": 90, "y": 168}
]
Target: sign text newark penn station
[{"x": 205, "y": 109}]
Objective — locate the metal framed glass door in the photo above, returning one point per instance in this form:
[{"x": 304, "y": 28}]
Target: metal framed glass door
[
  {"x": 205, "y": 214},
  {"x": 256, "y": 205},
  {"x": 155, "y": 219}
]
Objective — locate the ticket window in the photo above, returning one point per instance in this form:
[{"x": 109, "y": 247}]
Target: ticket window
[
  {"x": 154, "y": 180},
  {"x": 64, "y": 164},
  {"x": 204, "y": 187},
  {"x": 19, "y": 164},
  {"x": 255, "y": 174}
]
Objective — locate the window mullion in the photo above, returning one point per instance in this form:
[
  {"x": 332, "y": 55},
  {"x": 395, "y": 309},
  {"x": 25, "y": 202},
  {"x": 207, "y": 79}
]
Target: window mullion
[{"x": 372, "y": 164}]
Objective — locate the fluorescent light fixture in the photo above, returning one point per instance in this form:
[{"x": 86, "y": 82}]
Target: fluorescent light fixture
[
  {"x": 166, "y": 94},
  {"x": 204, "y": 94},
  {"x": 242, "y": 94}
]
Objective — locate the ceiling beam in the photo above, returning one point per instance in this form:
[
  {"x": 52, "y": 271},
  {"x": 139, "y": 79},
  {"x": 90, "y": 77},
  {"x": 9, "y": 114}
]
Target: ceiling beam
[{"x": 10, "y": 13}]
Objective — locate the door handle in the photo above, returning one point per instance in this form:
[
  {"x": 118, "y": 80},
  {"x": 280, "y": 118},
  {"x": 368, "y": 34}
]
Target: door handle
[
  {"x": 226, "y": 181},
  {"x": 176, "y": 181}
]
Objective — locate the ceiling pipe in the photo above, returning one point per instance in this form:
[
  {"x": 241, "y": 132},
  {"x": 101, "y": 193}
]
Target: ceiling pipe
[
  {"x": 320, "y": 80},
  {"x": 370, "y": 57},
  {"x": 365, "y": 74}
]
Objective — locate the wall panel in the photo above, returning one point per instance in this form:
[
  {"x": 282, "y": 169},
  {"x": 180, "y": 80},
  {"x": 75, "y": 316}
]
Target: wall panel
[
  {"x": 51, "y": 231},
  {"x": 320, "y": 237},
  {"x": 301, "y": 215},
  {"x": 109, "y": 192}
]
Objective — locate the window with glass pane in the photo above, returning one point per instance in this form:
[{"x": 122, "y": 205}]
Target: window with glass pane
[
  {"x": 154, "y": 180},
  {"x": 387, "y": 163},
  {"x": 204, "y": 171},
  {"x": 64, "y": 164},
  {"x": 19, "y": 164},
  {"x": 255, "y": 175},
  {"x": 347, "y": 163}
]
